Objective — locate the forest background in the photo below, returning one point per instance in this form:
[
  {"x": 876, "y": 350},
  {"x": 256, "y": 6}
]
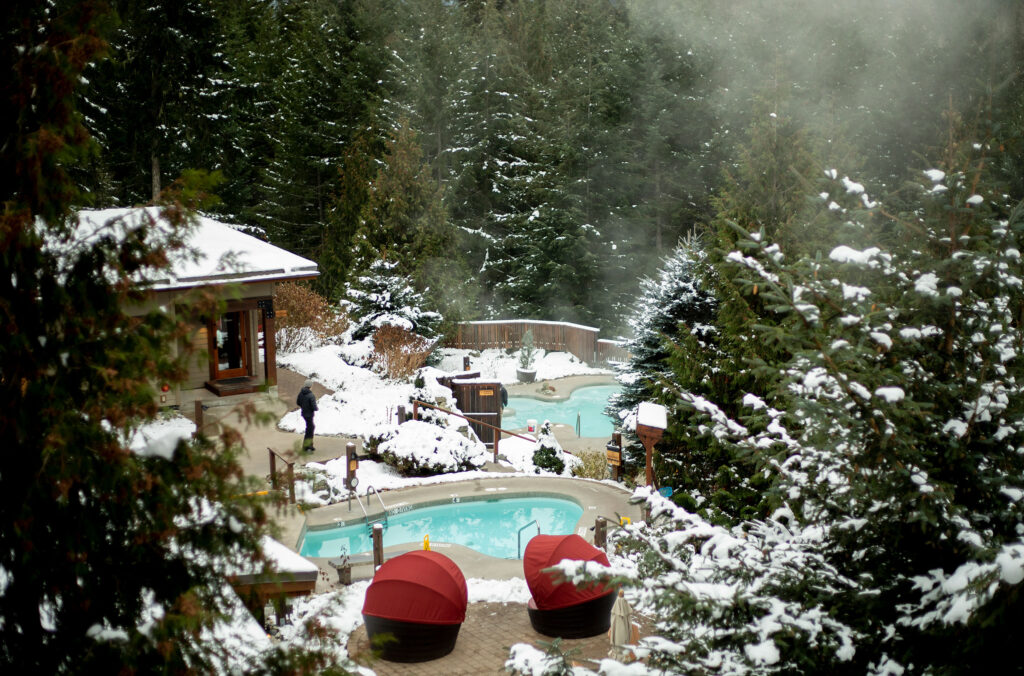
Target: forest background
[
  {"x": 530, "y": 159},
  {"x": 837, "y": 336}
]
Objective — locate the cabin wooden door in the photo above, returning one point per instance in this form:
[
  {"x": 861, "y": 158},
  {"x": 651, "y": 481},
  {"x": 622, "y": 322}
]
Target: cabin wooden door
[{"x": 231, "y": 332}]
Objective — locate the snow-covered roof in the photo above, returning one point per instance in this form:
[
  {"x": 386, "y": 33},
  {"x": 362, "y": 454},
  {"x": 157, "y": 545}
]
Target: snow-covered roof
[
  {"x": 285, "y": 560},
  {"x": 219, "y": 253}
]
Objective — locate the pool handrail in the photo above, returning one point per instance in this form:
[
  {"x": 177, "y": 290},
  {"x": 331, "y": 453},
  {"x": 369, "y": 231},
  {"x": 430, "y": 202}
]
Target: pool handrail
[
  {"x": 366, "y": 517},
  {"x": 519, "y": 537},
  {"x": 383, "y": 509}
]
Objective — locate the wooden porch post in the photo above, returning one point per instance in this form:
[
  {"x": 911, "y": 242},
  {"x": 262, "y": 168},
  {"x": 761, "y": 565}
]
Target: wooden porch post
[{"x": 269, "y": 347}]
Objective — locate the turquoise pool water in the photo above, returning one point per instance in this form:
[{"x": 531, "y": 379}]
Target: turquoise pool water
[
  {"x": 487, "y": 526},
  {"x": 589, "y": 402}
]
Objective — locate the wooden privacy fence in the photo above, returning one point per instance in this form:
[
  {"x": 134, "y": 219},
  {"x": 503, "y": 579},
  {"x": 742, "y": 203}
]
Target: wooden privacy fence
[{"x": 581, "y": 341}]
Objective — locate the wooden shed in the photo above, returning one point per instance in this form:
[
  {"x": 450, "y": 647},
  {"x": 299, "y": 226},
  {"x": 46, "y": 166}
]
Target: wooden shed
[{"x": 480, "y": 400}]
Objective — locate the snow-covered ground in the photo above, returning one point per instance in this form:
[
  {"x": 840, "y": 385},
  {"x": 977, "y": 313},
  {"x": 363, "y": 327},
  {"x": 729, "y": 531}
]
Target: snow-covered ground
[{"x": 363, "y": 399}]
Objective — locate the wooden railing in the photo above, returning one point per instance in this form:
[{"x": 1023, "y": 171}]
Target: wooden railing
[
  {"x": 497, "y": 437},
  {"x": 289, "y": 474}
]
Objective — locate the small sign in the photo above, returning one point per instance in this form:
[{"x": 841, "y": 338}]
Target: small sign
[
  {"x": 614, "y": 457},
  {"x": 486, "y": 393}
]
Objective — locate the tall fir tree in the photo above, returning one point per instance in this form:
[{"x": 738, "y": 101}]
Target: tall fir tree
[
  {"x": 673, "y": 313},
  {"x": 404, "y": 221},
  {"x": 160, "y": 104}
]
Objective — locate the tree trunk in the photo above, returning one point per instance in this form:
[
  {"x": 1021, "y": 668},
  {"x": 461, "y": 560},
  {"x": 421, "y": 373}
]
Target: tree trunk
[{"x": 155, "y": 169}]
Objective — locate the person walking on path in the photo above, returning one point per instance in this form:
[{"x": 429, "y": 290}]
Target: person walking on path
[{"x": 307, "y": 404}]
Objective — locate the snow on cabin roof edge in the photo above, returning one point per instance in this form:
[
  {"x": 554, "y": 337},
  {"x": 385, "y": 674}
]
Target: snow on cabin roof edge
[{"x": 226, "y": 255}]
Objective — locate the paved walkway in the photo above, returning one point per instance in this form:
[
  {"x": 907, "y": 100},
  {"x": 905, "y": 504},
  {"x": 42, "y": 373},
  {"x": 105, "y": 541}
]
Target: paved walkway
[
  {"x": 483, "y": 645},
  {"x": 490, "y": 628}
]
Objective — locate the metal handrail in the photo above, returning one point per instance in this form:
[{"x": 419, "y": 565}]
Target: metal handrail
[
  {"x": 380, "y": 500},
  {"x": 366, "y": 516},
  {"x": 519, "y": 537}
]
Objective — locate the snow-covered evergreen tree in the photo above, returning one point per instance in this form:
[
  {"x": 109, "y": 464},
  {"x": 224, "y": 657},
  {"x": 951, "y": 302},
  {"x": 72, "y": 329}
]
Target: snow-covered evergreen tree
[
  {"x": 384, "y": 296},
  {"x": 673, "y": 310},
  {"x": 891, "y": 444}
]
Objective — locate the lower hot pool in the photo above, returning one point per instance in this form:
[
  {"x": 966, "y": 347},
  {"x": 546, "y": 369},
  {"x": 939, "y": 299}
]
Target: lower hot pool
[{"x": 493, "y": 527}]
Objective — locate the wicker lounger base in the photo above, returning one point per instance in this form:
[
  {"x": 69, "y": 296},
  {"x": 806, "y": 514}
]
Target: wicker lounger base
[
  {"x": 589, "y": 618},
  {"x": 414, "y": 642}
]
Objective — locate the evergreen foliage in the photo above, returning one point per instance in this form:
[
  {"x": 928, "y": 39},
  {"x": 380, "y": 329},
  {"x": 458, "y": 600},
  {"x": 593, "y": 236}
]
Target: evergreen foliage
[
  {"x": 888, "y": 438},
  {"x": 404, "y": 220},
  {"x": 159, "y": 104},
  {"x": 674, "y": 312},
  {"x": 385, "y": 297},
  {"x": 548, "y": 455},
  {"x": 527, "y": 352},
  {"x": 111, "y": 559}
]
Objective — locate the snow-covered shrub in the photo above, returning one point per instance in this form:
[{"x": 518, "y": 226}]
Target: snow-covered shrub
[
  {"x": 417, "y": 448},
  {"x": 736, "y": 600},
  {"x": 547, "y": 459},
  {"x": 398, "y": 353},
  {"x": 548, "y": 455},
  {"x": 526, "y": 660}
]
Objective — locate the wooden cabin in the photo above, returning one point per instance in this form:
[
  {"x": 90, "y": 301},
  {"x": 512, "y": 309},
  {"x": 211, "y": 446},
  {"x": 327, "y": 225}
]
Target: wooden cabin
[{"x": 235, "y": 350}]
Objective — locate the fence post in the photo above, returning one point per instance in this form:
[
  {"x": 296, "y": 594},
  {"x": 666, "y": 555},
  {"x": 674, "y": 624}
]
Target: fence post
[
  {"x": 401, "y": 414},
  {"x": 273, "y": 468},
  {"x": 378, "y": 546},
  {"x": 415, "y": 410},
  {"x": 199, "y": 417},
  {"x": 465, "y": 363},
  {"x": 600, "y": 532},
  {"x": 291, "y": 482}
]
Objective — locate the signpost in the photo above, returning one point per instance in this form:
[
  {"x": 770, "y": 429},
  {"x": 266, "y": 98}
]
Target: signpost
[
  {"x": 613, "y": 452},
  {"x": 651, "y": 421}
]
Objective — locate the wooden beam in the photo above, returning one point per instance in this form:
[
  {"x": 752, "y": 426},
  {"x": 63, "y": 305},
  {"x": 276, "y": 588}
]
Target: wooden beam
[{"x": 269, "y": 349}]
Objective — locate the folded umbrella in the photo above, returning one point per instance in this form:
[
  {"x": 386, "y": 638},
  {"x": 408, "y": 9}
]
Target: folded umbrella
[{"x": 621, "y": 631}]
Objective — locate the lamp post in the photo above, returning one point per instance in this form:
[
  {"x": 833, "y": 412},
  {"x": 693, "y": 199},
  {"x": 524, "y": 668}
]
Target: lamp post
[{"x": 651, "y": 421}]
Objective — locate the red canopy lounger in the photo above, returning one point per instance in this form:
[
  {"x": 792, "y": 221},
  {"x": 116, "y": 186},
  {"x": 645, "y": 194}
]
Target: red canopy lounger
[
  {"x": 419, "y": 599},
  {"x": 565, "y": 610}
]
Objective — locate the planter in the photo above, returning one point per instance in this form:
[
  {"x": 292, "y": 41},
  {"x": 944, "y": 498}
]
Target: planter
[
  {"x": 344, "y": 569},
  {"x": 526, "y": 375}
]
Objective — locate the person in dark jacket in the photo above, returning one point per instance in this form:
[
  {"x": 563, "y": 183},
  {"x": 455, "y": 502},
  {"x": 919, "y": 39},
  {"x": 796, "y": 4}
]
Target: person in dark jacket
[{"x": 307, "y": 404}]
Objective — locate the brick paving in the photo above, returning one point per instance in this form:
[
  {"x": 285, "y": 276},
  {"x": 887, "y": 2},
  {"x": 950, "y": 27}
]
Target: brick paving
[{"x": 483, "y": 646}]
